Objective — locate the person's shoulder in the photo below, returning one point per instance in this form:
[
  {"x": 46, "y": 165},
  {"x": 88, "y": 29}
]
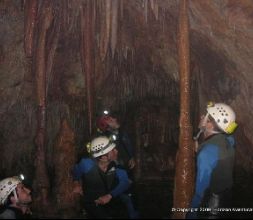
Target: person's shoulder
[
  {"x": 8, "y": 214},
  {"x": 121, "y": 171},
  {"x": 209, "y": 149},
  {"x": 120, "y": 167},
  {"x": 231, "y": 140},
  {"x": 87, "y": 161}
]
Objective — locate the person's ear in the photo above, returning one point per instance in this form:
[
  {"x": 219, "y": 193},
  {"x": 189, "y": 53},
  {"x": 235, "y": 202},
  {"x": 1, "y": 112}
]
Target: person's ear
[
  {"x": 212, "y": 125},
  {"x": 13, "y": 200}
]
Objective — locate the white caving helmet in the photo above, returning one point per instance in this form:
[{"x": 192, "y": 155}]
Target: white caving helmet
[
  {"x": 7, "y": 186},
  {"x": 224, "y": 116},
  {"x": 100, "y": 146}
]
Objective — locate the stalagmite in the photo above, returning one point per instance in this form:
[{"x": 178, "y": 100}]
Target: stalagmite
[
  {"x": 64, "y": 158},
  {"x": 183, "y": 187}
]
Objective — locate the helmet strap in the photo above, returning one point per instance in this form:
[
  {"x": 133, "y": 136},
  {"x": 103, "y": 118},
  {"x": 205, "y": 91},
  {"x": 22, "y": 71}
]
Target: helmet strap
[
  {"x": 212, "y": 131},
  {"x": 15, "y": 195},
  {"x": 205, "y": 119},
  {"x": 202, "y": 129}
]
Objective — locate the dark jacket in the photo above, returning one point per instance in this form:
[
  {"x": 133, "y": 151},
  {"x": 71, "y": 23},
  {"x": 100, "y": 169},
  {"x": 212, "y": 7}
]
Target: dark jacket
[{"x": 97, "y": 183}]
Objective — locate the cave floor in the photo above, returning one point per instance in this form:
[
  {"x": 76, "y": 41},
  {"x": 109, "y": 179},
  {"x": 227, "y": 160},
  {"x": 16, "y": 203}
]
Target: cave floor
[{"x": 153, "y": 198}]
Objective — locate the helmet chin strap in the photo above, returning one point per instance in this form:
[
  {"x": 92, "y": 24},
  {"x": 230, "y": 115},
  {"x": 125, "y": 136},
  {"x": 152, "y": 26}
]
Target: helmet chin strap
[
  {"x": 15, "y": 195},
  {"x": 211, "y": 131},
  {"x": 204, "y": 129},
  {"x": 201, "y": 130}
]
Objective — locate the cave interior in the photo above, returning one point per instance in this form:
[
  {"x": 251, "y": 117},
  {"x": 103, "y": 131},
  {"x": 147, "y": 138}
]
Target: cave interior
[{"x": 65, "y": 61}]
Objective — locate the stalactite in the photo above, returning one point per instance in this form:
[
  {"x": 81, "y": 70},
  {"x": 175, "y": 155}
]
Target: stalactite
[
  {"x": 31, "y": 7},
  {"x": 184, "y": 178},
  {"x": 114, "y": 25},
  {"x": 152, "y": 5},
  {"x": 121, "y": 9},
  {"x": 132, "y": 56},
  {"x": 163, "y": 20},
  {"x": 41, "y": 177},
  {"x": 156, "y": 11},
  {"x": 105, "y": 29},
  {"x": 87, "y": 41},
  {"x": 52, "y": 42},
  {"x": 155, "y": 8},
  {"x": 64, "y": 9},
  {"x": 146, "y": 11},
  {"x": 70, "y": 14},
  {"x": 124, "y": 52}
]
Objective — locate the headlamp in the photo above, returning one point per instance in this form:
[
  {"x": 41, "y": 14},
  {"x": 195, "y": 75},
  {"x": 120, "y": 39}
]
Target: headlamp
[
  {"x": 88, "y": 147},
  {"x": 21, "y": 177},
  {"x": 210, "y": 104},
  {"x": 114, "y": 137}
]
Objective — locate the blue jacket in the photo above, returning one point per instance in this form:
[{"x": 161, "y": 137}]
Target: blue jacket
[{"x": 214, "y": 167}]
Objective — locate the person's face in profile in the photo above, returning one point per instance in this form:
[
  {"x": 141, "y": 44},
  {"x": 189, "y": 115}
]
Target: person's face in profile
[
  {"x": 113, "y": 123},
  {"x": 113, "y": 154},
  {"x": 24, "y": 194}
]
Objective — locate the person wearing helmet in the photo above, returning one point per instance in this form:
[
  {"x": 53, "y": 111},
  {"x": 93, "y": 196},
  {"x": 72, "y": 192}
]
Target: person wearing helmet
[
  {"x": 215, "y": 160},
  {"x": 109, "y": 126},
  {"x": 103, "y": 183},
  {"x": 15, "y": 198}
]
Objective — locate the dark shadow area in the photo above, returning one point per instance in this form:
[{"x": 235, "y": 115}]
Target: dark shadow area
[
  {"x": 242, "y": 196},
  {"x": 155, "y": 199}
]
